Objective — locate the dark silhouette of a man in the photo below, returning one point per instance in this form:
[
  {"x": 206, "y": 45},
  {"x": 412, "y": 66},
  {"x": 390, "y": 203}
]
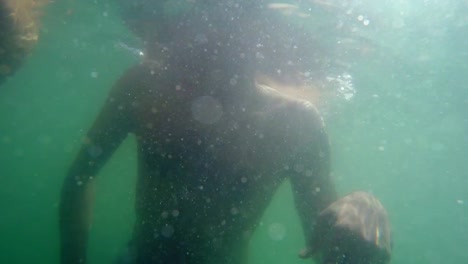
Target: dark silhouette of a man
[{"x": 213, "y": 145}]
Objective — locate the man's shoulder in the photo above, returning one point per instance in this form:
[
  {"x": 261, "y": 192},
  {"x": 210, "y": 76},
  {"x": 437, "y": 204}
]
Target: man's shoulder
[{"x": 292, "y": 109}]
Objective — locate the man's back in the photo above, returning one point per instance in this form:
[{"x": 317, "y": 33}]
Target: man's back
[
  {"x": 212, "y": 150},
  {"x": 209, "y": 164}
]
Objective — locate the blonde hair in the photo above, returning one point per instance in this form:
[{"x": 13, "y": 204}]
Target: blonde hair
[
  {"x": 20, "y": 31},
  {"x": 24, "y": 15}
]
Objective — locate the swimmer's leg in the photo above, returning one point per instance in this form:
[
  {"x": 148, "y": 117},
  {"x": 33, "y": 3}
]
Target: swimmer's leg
[{"x": 128, "y": 254}]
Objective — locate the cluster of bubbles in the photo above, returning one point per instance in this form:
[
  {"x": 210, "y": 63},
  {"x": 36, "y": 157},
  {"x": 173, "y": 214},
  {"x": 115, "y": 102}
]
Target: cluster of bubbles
[
  {"x": 343, "y": 84},
  {"x": 364, "y": 20}
]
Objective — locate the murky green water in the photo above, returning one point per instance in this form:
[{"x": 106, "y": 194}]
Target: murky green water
[{"x": 403, "y": 135}]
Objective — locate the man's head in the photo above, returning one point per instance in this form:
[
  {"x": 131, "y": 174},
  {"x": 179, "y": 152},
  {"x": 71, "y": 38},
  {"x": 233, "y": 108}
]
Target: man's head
[
  {"x": 19, "y": 32},
  {"x": 353, "y": 230},
  {"x": 244, "y": 37}
]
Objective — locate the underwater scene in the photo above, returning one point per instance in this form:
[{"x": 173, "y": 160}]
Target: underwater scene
[{"x": 234, "y": 131}]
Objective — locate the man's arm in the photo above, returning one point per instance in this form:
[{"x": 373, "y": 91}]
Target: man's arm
[
  {"x": 108, "y": 131},
  {"x": 355, "y": 228},
  {"x": 312, "y": 186}
]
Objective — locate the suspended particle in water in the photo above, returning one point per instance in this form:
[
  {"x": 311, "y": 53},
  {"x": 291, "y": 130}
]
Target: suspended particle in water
[
  {"x": 233, "y": 81},
  {"x": 175, "y": 213},
  {"x": 167, "y": 231},
  {"x": 366, "y": 22},
  {"x": 259, "y": 55},
  {"x": 234, "y": 211},
  {"x": 299, "y": 168},
  {"x": 276, "y": 231},
  {"x": 360, "y": 18},
  {"x": 94, "y": 151},
  {"x": 94, "y": 74},
  {"x": 149, "y": 125},
  {"x": 206, "y": 110},
  {"x": 164, "y": 214},
  {"x": 201, "y": 38},
  {"x": 460, "y": 202},
  {"x": 244, "y": 179}
]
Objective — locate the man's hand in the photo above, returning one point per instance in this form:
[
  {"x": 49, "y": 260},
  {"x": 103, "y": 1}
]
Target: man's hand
[{"x": 354, "y": 229}]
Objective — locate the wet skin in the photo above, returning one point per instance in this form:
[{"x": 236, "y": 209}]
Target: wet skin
[{"x": 207, "y": 166}]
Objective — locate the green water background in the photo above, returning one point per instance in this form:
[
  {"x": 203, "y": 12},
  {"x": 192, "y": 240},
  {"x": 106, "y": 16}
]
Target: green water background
[{"x": 403, "y": 136}]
